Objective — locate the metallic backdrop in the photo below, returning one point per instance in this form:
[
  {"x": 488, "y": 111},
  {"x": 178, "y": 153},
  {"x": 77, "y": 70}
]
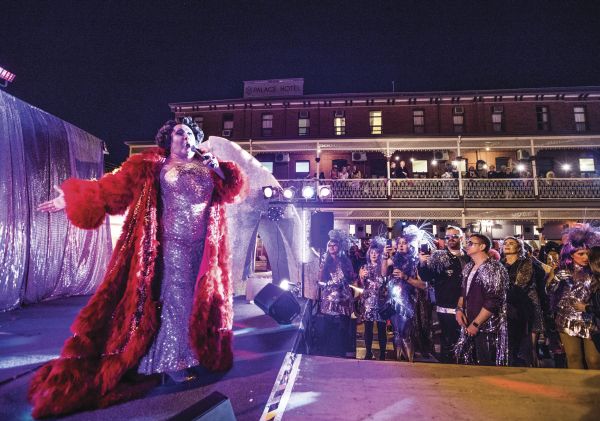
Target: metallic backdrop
[{"x": 42, "y": 256}]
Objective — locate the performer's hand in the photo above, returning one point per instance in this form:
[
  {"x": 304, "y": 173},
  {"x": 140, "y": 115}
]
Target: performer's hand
[
  {"x": 397, "y": 273},
  {"x": 461, "y": 319},
  {"x": 579, "y": 306},
  {"x": 387, "y": 251},
  {"x": 209, "y": 159},
  {"x": 54, "y": 205},
  {"x": 472, "y": 330},
  {"x": 423, "y": 258}
]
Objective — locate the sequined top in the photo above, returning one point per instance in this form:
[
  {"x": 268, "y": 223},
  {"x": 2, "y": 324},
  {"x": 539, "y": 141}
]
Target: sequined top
[
  {"x": 576, "y": 286},
  {"x": 374, "y": 293},
  {"x": 336, "y": 296},
  {"x": 185, "y": 195}
]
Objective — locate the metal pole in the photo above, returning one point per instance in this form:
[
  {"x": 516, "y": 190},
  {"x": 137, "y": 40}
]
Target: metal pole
[
  {"x": 389, "y": 181},
  {"x": 460, "y": 180},
  {"x": 536, "y": 191}
]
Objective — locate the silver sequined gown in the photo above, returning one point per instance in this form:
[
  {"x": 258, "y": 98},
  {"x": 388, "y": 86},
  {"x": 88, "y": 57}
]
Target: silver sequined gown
[{"x": 185, "y": 192}]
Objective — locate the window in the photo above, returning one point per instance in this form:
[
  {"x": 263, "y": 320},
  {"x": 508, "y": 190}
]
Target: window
[
  {"x": 199, "y": 121},
  {"x": 419, "y": 121},
  {"x": 267, "y": 124},
  {"x": 339, "y": 123},
  {"x": 458, "y": 119},
  {"x": 419, "y": 166},
  {"x": 268, "y": 165},
  {"x": 542, "y": 117},
  {"x": 375, "y": 122},
  {"x": 587, "y": 165},
  {"x": 227, "y": 124},
  {"x": 302, "y": 167},
  {"x": 303, "y": 123},
  {"x": 498, "y": 118},
  {"x": 580, "y": 122}
]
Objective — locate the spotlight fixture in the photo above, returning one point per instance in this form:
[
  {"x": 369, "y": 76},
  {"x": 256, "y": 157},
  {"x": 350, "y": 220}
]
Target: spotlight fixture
[
  {"x": 324, "y": 191},
  {"x": 520, "y": 167},
  {"x": 284, "y": 284},
  {"x": 289, "y": 193},
  {"x": 566, "y": 167},
  {"x": 308, "y": 192},
  {"x": 275, "y": 213},
  {"x": 397, "y": 158},
  {"x": 268, "y": 192},
  {"x": 6, "y": 77},
  {"x": 412, "y": 159},
  {"x": 434, "y": 162}
]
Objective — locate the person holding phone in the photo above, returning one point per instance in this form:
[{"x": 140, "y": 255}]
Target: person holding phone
[
  {"x": 443, "y": 270},
  {"x": 373, "y": 297}
]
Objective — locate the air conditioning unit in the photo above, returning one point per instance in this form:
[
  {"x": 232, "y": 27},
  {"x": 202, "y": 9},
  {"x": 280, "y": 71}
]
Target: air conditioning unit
[
  {"x": 459, "y": 110},
  {"x": 303, "y": 114},
  {"x": 441, "y": 155},
  {"x": 523, "y": 154},
  {"x": 339, "y": 113},
  {"x": 359, "y": 156},
  {"x": 226, "y": 133},
  {"x": 497, "y": 109},
  {"x": 282, "y": 157}
]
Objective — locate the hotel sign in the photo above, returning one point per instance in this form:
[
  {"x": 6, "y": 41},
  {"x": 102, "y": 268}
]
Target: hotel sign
[{"x": 273, "y": 88}]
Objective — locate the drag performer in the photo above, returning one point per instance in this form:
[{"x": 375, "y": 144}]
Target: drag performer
[
  {"x": 481, "y": 309},
  {"x": 524, "y": 310},
  {"x": 336, "y": 297},
  {"x": 443, "y": 270},
  {"x": 165, "y": 303},
  {"x": 574, "y": 282},
  {"x": 403, "y": 287},
  {"x": 373, "y": 297}
]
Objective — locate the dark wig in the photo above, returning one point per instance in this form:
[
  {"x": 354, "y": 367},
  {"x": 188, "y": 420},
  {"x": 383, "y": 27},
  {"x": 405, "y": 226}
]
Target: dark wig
[{"x": 163, "y": 136}]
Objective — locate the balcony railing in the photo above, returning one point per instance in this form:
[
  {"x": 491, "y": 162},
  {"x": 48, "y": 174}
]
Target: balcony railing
[{"x": 450, "y": 189}]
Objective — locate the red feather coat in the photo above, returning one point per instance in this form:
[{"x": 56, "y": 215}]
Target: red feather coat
[{"x": 118, "y": 324}]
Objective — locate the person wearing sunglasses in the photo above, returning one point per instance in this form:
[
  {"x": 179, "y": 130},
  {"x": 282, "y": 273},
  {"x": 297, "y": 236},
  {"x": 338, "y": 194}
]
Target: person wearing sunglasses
[
  {"x": 481, "y": 309},
  {"x": 443, "y": 270}
]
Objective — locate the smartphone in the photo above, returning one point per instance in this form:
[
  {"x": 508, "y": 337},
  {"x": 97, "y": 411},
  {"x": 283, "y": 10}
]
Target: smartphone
[
  {"x": 425, "y": 248},
  {"x": 388, "y": 243}
]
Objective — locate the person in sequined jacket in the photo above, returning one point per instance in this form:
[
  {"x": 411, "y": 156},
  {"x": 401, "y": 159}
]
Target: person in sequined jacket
[
  {"x": 443, "y": 270},
  {"x": 524, "y": 312},
  {"x": 151, "y": 297},
  {"x": 336, "y": 277},
  {"x": 574, "y": 282},
  {"x": 481, "y": 309},
  {"x": 373, "y": 297}
]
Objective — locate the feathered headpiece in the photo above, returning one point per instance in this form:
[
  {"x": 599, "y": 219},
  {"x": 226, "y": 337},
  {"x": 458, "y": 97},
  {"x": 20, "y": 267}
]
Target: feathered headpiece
[
  {"x": 378, "y": 243},
  {"x": 341, "y": 238},
  {"x": 584, "y": 236},
  {"x": 416, "y": 235}
]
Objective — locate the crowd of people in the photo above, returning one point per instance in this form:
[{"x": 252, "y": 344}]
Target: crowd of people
[{"x": 496, "y": 302}]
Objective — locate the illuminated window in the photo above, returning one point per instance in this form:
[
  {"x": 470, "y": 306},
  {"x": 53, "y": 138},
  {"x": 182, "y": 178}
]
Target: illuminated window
[
  {"x": 580, "y": 121},
  {"x": 303, "y": 123},
  {"x": 419, "y": 121},
  {"x": 227, "y": 125},
  {"x": 375, "y": 121},
  {"x": 542, "y": 117},
  {"x": 339, "y": 123},
  {"x": 587, "y": 165},
  {"x": 267, "y": 124},
  {"x": 303, "y": 167},
  {"x": 268, "y": 165},
  {"x": 498, "y": 118},
  {"x": 458, "y": 119},
  {"x": 419, "y": 166}
]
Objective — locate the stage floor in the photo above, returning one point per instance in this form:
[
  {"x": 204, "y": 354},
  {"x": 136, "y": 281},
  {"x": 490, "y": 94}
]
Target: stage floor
[
  {"x": 325, "y": 388},
  {"x": 34, "y": 334}
]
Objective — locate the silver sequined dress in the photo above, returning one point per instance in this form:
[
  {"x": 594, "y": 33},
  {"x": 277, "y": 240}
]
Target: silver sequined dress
[
  {"x": 185, "y": 193},
  {"x": 373, "y": 295}
]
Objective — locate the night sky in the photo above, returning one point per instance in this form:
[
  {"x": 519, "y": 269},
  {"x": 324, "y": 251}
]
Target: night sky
[{"x": 111, "y": 67}]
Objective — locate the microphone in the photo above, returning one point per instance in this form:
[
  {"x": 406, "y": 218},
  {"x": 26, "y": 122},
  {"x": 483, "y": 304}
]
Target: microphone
[{"x": 207, "y": 158}]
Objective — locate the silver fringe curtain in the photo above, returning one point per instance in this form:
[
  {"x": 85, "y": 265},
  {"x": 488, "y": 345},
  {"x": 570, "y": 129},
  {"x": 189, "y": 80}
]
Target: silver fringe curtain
[{"x": 43, "y": 256}]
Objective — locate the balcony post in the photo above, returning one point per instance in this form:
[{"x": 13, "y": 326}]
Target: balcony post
[
  {"x": 536, "y": 191},
  {"x": 460, "y": 180},
  {"x": 389, "y": 173},
  {"x": 318, "y": 160}
]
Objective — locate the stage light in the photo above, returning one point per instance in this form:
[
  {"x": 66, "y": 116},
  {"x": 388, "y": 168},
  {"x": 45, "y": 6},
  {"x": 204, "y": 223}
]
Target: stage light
[
  {"x": 284, "y": 284},
  {"x": 566, "y": 167},
  {"x": 308, "y": 192},
  {"x": 324, "y": 192},
  {"x": 487, "y": 148},
  {"x": 268, "y": 192},
  {"x": 289, "y": 192},
  {"x": 6, "y": 76},
  {"x": 433, "y": 162},
  {"x": 412, "y": 159},
  {"x": 397, "y": 158},
  {"x": 520, "y": 167}
]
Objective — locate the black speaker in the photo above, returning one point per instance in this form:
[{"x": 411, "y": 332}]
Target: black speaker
[
  {"x": 215, "y": 406},
  {"x": 277, "y": 303},
  {"x": 320, "y": 225}
]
